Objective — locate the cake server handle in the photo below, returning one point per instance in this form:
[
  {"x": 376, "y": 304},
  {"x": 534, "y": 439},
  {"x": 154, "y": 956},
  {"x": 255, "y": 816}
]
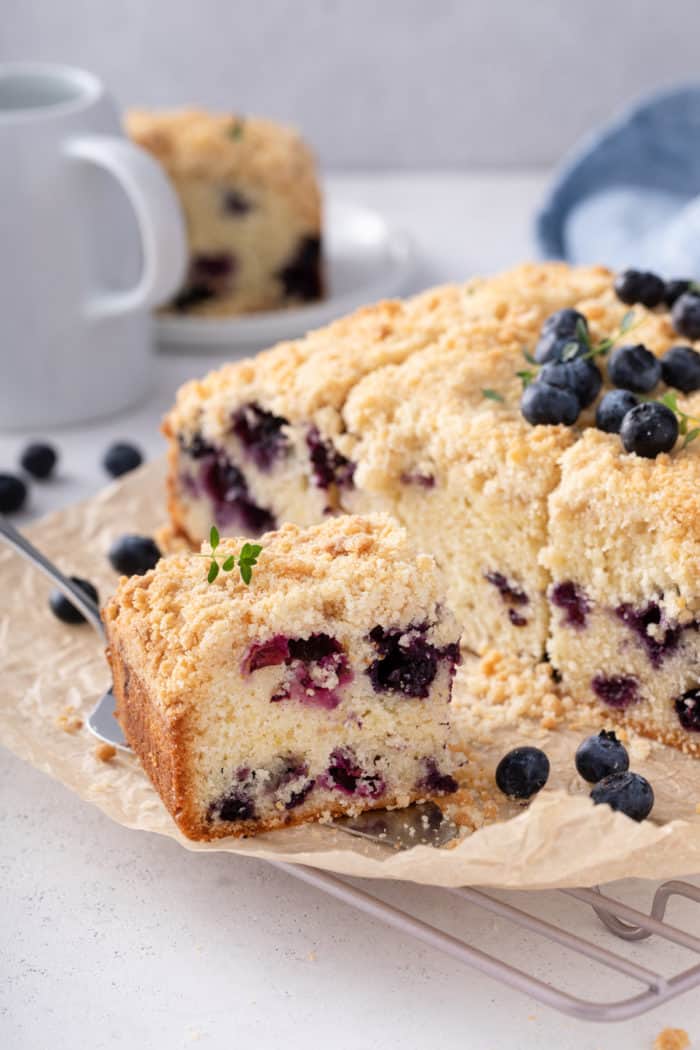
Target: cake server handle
[{"x": 75, "y": 594}]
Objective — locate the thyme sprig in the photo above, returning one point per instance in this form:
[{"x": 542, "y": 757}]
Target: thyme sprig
[
  {"x": 247, "y": 558},
  {"x": 689, "y": 434}
]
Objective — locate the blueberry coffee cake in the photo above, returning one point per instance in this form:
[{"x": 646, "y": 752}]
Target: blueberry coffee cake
[
  {"x": 538, "y": 432},
  {"x": 320, "y": 688},
  {"x": 250, "y": 194}
]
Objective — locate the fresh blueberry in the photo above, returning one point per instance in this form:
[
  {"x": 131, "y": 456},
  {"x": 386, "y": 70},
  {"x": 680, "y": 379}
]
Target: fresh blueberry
[
  {"x": 62, "y": 608},
  {"x": 39, "y": 460},
  {"x": 637, "y": 286},
  {"x": 628, "y": 793},
  {"x": 582, "y": 378},
  {"x": 564, "y": 322},
  {"x": 680, "y": 368},
  {"x": 545, "y": 404},
  {"x": 613, "y": 408},
  {"x": 634, "y": 368},
  {"x": 600, "y": 755},
  {"x": 522, "y": 772},
  {"x": 552, "y": 347},
  {"x": 648, "y": 429},
  {"x": 120, "y": 458},
  {"x": 133, "y": 555},
  {"x": 560, "y": 330},
  {"x": 685, "y": 315},
  {"x": 674, "y": 290},
  {"x": 13, "y": 493}
]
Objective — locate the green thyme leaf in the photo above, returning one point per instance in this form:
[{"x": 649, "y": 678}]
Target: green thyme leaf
[
  {"x": 570, "y": 350},
  {"x": 213, "y": 571},
  {"x": 691, "y": 436},
  {"x": 214, "y": 537},
  {"x": 229, "y": 564},
  {"x": 627, "y": 322},
  {"x": 246, "y": 570},
  {"x": 671, "y": 401},
  {"x": 492, "y": 395},
  {"x": 582, "y": 334},
  {"x": 526, "y": 377},
  {"x": 236, "y": 130},
  {"x": 528, "y": 356}
]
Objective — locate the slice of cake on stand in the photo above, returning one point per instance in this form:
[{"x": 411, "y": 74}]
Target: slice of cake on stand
[{"x": 322, "y": 687}]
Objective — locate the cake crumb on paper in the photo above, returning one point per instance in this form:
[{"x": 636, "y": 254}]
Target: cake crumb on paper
[
  {"x": 672, "y": 1039},
  {"x": 105, "y": 752},
  {"x": 311, "y": 956},
  {"x": 69, "y": 720}
]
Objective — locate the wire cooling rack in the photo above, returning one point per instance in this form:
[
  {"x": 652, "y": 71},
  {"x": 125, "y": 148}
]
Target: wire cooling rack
[{"x": 622, "y": 921}]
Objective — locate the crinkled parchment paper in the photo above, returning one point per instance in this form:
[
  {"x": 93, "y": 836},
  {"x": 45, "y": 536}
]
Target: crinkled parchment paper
[{"x": 52, "y": 675}]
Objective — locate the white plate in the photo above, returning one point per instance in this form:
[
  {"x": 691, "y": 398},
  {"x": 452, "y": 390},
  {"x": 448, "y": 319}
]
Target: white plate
[{"x": 366, "y": 260}]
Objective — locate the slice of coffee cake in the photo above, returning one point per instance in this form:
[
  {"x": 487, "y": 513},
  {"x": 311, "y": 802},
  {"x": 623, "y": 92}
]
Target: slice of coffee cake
[
  {"x": 322, "y": 688},
  {"x": 252, "y": 204}
]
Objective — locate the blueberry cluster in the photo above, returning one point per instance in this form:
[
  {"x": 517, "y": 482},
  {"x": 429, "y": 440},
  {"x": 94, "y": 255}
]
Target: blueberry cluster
[
  {"x": 568, "y": 379},
  {"x": 601, "y": 760},
  {"x": 681, "y": 297}
]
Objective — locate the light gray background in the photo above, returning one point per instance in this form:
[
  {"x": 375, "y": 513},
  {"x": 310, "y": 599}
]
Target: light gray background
[{"x": 414, "y": 84}]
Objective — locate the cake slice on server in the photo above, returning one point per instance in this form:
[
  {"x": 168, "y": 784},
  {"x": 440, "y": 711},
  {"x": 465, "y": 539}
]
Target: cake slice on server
[{"x": 321, "y": 688}]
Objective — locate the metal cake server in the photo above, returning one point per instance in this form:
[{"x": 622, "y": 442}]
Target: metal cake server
[
  {"x": 420, "y": 824},
  {"x": 101, "y": 721}
]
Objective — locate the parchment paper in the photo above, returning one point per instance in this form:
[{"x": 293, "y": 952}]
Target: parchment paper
[{"x": 52, "y": 674}]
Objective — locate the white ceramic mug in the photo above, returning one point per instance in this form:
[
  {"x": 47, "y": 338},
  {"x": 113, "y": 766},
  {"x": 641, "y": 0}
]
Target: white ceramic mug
[{"x": 91, "y": 238}]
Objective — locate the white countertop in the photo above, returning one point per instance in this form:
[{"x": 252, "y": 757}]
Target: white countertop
[{"x": 116, "y": 939}]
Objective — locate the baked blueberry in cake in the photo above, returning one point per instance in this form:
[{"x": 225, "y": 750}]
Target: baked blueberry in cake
[
  {"x": 538, "y": 432},
  {"x": 252, "y": 203},
  {"x": 321, "y": 688}
]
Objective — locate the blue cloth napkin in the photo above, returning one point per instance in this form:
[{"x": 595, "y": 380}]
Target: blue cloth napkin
[{"x": 629, "y": 194}]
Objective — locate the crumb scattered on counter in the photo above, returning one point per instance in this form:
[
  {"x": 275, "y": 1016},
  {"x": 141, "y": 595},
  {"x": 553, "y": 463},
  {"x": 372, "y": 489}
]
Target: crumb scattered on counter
[
  {"x": 311, "y": 956},
  {"x": 672, "y": 1039},
  {"x": 69, "y": 720},
  {"x": 105, "y": 752}
]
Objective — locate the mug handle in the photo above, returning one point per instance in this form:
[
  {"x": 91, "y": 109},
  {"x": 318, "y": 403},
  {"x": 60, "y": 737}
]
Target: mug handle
[{"x": 159, "y": 217}]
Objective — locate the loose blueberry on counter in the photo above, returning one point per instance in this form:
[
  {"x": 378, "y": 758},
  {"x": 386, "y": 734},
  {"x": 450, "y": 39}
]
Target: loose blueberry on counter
[
  {"x": 634, "y": 368},
  {"x": 13, "y": 493},
  {"x": 680, "y": 368},
  {"x": 133, "y": 555},
  {"x": 39, "y": 459},
  {"x": 558, "y": 330},
  {"x": 688, "y": 710},
  {"x": 120, "y": 458},
  {"x": 582, "y": 378},
  {"x": 61, "y": 606},
  {"x": 522, "y": 772},
  {"x": 613, "y": 408},
  {"x": 548, "y": 405},
  {"x": 649, "y": 429},
  {"x": 600, "y": 755},
  {"x": 685, "y": 315},
  {"x": 628, "y": 793},
  {"x": 638, "y": 286},
  {"x": 674, "y": 290}
]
